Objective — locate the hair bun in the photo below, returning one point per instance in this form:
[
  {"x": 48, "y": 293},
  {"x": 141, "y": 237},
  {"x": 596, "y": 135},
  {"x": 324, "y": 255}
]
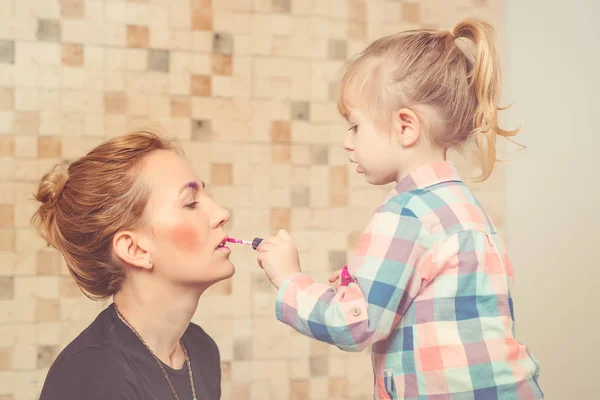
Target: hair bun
[{"x": 52, "y": 184}]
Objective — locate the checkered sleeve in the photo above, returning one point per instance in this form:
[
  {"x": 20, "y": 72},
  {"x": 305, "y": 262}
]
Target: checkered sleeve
[{"x": 387, "y": 281}]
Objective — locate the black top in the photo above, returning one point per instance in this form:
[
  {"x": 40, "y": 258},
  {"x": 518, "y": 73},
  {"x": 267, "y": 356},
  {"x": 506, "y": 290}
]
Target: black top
[{"x": 107, "y": 361}]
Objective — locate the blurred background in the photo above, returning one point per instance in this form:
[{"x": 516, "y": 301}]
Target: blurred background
[{"x": 249, "y": 88}]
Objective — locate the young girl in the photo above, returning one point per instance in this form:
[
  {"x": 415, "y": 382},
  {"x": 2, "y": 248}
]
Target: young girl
[{"x": 432, "y": 291}]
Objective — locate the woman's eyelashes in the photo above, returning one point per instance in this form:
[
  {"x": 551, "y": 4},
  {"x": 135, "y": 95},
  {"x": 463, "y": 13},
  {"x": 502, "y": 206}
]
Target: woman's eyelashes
[
  {"x": 353, "y": 128},
  {"x": 192, "y": 205}
]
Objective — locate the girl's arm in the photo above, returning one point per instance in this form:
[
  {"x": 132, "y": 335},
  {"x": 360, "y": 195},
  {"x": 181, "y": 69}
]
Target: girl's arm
[{"x": 386, "y": 283}]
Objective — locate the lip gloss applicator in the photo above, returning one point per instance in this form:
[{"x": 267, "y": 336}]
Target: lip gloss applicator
[{"x": 254, "y": 243}]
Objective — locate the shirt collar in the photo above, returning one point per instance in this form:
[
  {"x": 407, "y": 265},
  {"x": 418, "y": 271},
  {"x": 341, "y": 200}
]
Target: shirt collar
[{"x": 426, "y": 176}]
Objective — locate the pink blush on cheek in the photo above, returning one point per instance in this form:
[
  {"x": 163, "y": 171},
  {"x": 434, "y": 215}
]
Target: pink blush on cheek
[{"x": 186, "y": 238}]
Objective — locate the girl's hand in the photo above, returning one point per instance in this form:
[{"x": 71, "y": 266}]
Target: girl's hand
[
  {"x": 337, "y": 275},
  {"x": 278, "y": 256}
]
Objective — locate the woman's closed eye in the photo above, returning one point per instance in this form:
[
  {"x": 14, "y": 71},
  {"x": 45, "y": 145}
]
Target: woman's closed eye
[
  {"x": 353, "y": 128},
  {"x": 192, "y": 205}
]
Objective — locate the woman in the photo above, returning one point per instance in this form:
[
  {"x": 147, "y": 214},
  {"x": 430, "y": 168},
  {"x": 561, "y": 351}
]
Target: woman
[{"x": 133, "y": 222}]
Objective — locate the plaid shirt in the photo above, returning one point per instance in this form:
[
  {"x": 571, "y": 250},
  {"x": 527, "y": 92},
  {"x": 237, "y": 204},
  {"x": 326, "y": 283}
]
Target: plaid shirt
[{"x": 432, "y": 297}]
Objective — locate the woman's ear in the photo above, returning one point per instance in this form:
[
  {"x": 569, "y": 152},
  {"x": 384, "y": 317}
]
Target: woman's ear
[
  {"x": 407, "y": 127},
  {"x": 129, "y": 248}
]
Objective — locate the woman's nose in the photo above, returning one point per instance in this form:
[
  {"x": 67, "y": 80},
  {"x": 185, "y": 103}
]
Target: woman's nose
[{"x": 220, "y": 216}]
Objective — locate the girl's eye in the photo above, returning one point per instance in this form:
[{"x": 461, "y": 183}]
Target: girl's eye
[
  {"x": 192, "y": 205},
  {"x": 354, "y": 128}
]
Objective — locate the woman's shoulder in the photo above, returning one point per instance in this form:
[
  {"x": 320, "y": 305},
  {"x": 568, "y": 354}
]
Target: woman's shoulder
[{"x": 89, "y": 364}]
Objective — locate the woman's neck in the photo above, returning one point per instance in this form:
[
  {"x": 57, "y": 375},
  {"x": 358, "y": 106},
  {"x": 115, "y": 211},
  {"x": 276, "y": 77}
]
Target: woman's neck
[{"x": 160, "y": 315}]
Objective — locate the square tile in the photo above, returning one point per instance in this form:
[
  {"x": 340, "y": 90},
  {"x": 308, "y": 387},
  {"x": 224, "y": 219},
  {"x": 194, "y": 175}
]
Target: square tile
[
  {"x": 7, "y": 51},
  {"x": 222, "y": 64},
  {"x": 48, "y": 30},
  {"x": 337, "y": 259},
  {"x": 202, "y": 18},
  {"x": 180, "y": 107},
  {"x": 46, "y": 356},
  {"x": 281, "y": 6},
  {"x": 281, "y": 153},
  {"x": 7, "y": 146},
  {"x": 72, "y": 54},
  {"x": 337, "y": 49},
  {"x": 300, "y": 111},
  {"x": 338, "y": 198},
  {"x": 6, "y": 362},
  {"x": 300, "y": 197},
  {"x": 411, "y": 12},
  {"x": 281, "y": 131},
  {"x": 280, "y": 218},
  {"x": 299, "y": 389},
  {"x": 7, "y": 99},
  {"x": 7, "y": 288},
  {"x": 47, "y": 310},
  {"x": 158, "y": 60},
  {"x": 242, "y": 349},
  {"x": 319, "y": 154},
  {"x": 27, "y": 123},
  {"x": 338, "y": 388},
  {"x": 138, "y": 36},
  {"x": 221, "y": 174},
  {"x": 7, "y": 240},
  {"x": 115, "y": 102},
  {"x": 223, "y": 43},
  {"x": 67, "y": 288},
  {"x": 72, "y": 9},
  {"x": 7, "y": 216},
  {"x": 202, "y": 130},
  {"x": 338, "y": 177},
  {"x": 319, "y": 366},
  {"x": 200, "y": 85},
  {"x": 48, "y": 262}
]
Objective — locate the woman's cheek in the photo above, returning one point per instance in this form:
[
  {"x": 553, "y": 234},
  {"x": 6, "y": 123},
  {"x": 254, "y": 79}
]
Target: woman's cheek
[{"x": 187, "y": 238}]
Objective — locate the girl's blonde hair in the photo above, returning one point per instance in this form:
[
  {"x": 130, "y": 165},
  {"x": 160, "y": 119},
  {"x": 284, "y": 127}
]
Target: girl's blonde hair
[
  {"x": 83, "y": 205},
  {"x": 451, "y": 79}
]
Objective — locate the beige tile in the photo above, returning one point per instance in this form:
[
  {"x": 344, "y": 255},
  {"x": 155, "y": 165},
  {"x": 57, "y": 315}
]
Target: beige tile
[
  {"x": 115, "y": 102},
  {"x": 47, "y": 310},
  {"x": 72, "y": 9},
  {"x": 221, "y": 174},
  {"x": 222, "y": 64},
  {"x": 7, "y": 216},
  {"x": 6, "y": 355},
  {"x": 138, "y": 36},
  {"x": 280, "y": 218},
  {"x": 299, "y": 389},
  {"x": 202, "y": 18},
  {"x": 27, "y": 123},
  {"x": 7, "y": 99},
  {"x": 200, "y": 85},
  {"x": 411, "y": 12},
  {"x": 48, "y": 262},
  {"x": 7, "y": 146},
  {"x": 281, "y": 153},
  {"x": 49, "y": 147},
  {"x": 72, "y": 54},
  {"x": 180, "y": 107}
]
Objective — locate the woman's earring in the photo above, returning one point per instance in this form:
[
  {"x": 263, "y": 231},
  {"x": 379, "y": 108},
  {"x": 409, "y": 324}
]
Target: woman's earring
[{"x": 150, "y": 260}]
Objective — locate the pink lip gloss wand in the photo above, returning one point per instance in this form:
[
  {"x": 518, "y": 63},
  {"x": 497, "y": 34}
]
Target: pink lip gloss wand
[{"x": 254, "y": 243}]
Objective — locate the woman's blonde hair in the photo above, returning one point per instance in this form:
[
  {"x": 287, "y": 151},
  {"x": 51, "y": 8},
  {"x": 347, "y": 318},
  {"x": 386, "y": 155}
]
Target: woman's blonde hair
[
  {"x": 83, "y": 205},
  {"x": 451, "y": 79}
]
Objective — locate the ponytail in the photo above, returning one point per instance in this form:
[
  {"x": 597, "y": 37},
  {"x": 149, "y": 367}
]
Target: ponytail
[{"x": 486, "y": 82}]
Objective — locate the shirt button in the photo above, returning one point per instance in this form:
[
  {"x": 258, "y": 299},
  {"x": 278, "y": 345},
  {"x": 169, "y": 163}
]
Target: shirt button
[{"x": 356, "y": 311}]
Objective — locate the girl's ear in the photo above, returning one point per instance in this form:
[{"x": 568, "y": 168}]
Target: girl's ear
[{"x": 407, "y": 127}]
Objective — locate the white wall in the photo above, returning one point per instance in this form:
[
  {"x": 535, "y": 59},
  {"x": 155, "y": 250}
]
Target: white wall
[{"x": 553, "y": 189}]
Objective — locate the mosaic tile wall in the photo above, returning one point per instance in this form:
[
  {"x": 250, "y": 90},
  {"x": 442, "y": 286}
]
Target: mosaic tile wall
[{"x": 248, "y": 86}]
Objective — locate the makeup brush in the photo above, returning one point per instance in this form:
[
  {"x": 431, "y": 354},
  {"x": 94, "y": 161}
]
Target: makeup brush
[{"x": 254, "y": 243}]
